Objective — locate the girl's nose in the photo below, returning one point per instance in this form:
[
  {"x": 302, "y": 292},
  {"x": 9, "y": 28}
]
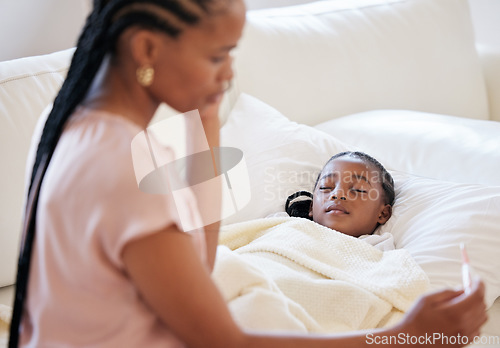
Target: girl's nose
[{"x": 338, "y": 194}]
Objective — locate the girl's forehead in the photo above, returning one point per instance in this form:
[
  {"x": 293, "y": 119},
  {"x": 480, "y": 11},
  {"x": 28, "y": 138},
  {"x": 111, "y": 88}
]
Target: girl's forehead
[
  {"x": 351, "y": 167},
  {"x": 346, "y": 163}
]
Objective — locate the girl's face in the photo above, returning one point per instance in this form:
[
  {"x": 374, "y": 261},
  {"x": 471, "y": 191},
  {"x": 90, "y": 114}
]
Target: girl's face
[
  {"x": 195, "y": 67},
  {"x": 349, "y": 197}
]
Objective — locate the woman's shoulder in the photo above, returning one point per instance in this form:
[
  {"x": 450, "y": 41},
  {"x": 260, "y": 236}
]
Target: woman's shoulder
[
  {"x": 100, "y": 127},
  {"x": 102, "y": 152}
]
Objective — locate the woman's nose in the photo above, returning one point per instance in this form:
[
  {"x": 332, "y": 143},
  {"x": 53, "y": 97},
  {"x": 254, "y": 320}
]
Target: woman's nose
[{"x": 227, "y": 72}]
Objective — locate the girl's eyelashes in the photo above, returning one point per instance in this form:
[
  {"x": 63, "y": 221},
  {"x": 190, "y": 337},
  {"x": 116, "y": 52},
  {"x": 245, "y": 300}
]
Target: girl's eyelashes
[{"x": 328, "y": 188}]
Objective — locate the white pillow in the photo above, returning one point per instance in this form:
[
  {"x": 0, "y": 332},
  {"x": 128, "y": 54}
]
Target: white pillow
[
  {"x": 431, "y": 218},
  {"x": 437, "y": 146},
  {"x": 282, "y": 156}
]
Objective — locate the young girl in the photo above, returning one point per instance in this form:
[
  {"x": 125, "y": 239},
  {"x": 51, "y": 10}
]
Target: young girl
[
  {"x": 353, "y": 194},
  {"x": 110, "y": 266}
]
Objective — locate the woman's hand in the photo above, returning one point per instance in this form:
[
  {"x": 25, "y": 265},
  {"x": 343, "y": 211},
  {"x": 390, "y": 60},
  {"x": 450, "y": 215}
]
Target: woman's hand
[
  {"x": 211, "y": 111},
  {"x": 209, "y": 198},
  {"x": 449, "y": 316}
]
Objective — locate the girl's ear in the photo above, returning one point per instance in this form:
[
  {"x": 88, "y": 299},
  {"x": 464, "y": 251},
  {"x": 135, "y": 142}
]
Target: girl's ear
[
  {"x": 385, "y": 214},
  {"x": 311, "y": 210}
]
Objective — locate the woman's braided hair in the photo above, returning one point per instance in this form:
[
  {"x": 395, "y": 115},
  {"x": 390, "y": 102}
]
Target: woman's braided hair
[
  {"x": 299, "y": 203},
  {"x": 108, "y": 20}
]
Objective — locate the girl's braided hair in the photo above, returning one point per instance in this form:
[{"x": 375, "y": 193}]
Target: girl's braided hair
[
  {"x": 299, "y": 203},
  {"x": 104, "y": 25}
]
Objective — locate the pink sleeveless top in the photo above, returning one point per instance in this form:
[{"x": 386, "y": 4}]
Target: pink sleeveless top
[{"x": 90, "y": 207}]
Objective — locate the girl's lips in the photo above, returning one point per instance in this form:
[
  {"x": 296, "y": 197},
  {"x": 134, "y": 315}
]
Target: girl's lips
[
  {"x": 335, "y": 208},
  {"x": 336, "y": 212}
]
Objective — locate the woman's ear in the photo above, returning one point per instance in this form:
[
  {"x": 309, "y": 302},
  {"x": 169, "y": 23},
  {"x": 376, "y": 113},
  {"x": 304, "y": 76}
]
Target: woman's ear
[
  {"x": 145, "y": 46},
  {"x": 385, "y": 214}
]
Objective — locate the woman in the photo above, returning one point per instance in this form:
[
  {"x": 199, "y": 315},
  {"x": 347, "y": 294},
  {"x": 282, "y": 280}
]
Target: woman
[{"x": 110, "y": 264}]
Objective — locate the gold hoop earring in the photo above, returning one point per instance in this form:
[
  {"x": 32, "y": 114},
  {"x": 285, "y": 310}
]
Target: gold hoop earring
[{"x": 145, "y": 75}]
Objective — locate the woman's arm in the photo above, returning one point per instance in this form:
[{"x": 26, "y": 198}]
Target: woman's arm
[
  {"x": 178, "y": 288},
  {"x": 209, "y": 200},
  {"x": 211, "y": 126}
]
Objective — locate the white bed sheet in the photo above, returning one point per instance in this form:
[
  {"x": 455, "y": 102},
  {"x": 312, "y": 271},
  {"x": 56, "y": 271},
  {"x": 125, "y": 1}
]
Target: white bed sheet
[{"x": 491, "y": 330}]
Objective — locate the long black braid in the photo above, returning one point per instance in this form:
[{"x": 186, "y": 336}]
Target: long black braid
[
  {"x": 299, "y": 203},
  {"x": 102, "y": 28}
]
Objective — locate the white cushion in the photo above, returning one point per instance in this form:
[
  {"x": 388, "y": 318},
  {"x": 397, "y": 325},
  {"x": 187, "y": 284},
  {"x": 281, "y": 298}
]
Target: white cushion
[
  {"x": 490, "y": 61},
  {"x": 437, "y": 146},
  {"x": 282, "y": 156},
  {"x": 431, "y": 217},
  {"x": 26, "y": 87},
  {"x": 328, "y": 59}
]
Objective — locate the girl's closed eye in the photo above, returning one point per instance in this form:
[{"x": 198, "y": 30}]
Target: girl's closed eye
[{"x": 325, "y": 188}]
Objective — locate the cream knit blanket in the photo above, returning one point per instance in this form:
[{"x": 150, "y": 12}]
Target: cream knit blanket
[{"x": 294, "y": 274}]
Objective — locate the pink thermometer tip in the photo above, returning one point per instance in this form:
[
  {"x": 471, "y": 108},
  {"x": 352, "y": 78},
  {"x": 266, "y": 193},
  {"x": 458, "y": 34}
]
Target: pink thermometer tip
[
  {"x": 465, "y": 257},
  {"x": 466, "y": 276}
]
